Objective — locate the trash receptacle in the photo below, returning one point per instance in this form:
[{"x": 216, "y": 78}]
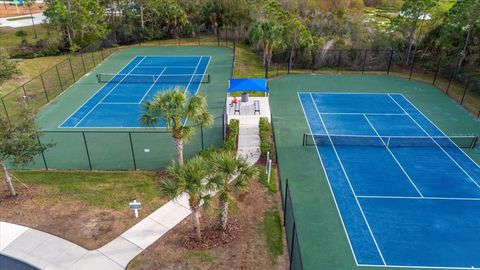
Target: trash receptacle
[{"x": 244, "y": 97}]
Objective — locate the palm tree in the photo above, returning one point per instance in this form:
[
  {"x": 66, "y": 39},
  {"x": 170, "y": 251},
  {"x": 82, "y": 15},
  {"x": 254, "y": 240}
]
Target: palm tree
[
  {"x": 225, "y": 168},
  {"x": 174, "y": 107},
  {"x": 269, "y": 35},
  {"x": 192, "y": 179}
]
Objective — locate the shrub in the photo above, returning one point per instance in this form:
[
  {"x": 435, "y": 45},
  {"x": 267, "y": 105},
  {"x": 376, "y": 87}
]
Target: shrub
[
  {"x": 8, "y": 68},
  {"x": 266, "y": 138},
  {"x": 231, "y": 142}
]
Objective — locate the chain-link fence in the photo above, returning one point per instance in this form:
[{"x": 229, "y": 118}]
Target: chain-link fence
[
  {"x": 460, "y": 82},
  {"x": 40, "y": 90}
]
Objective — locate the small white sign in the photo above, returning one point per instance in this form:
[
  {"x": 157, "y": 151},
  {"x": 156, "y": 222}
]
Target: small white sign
[
  {"x": 135, "y": 206},
  {"x": 146, "y": 150}
]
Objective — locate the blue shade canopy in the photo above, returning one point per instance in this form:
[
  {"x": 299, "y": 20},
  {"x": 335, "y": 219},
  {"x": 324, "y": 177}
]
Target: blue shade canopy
[{"x": 243, "y": 84}]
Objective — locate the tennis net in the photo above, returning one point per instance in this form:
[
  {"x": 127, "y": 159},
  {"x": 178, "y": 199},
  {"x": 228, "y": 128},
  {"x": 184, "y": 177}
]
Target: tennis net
[
  {"x": 147, "y": 78},
  {"x": 390, "y": 141}
]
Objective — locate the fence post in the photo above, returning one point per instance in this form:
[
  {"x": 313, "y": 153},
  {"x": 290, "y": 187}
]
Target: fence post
[
  {"x": 133, "y": 152},
  {"x": 201, "y": 134},
  {"x": 25, "y": 94},
  {"x": 93, "y": 58},
  {"x": 59, "y": 79},
  {"x": 86, "y": 149},
  {"x": 198, "y": 35},
  {"x": 44, "y": 88},
  {"x": 218, "y": 36},
  {"x": 277, "y": 69},
  {"x": 266, "y": 69},
  {"x": 450, "y": 81},
  {"x": 71, "y": 68},
  {"x": 293, "y": 241},
  {"x": 339, "y": 59},
  {"x": 285, "y": 203},
  {"x": 5, "y": 108},
  {"x": 436, "y": 70},
  {"x": 465, "y": 91},
  {"x": 43, "y": 154},
  {"x": 226, "y": 37},
  {"x": 364, "y": 61},
  {"x": 313, "y": 61},
  {"x": 83, "y": 63},
  {"x": 413, "y": 66},
  {"x": 390, "y": 62},
  {"x": 290, "y": 57},
  {"x": 101, "y": 53}
]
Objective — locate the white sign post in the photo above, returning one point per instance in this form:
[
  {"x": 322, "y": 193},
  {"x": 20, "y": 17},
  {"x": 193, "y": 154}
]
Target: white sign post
[
  {"x": 135, "y": 206},
  {"x": 269, "y": 170},
  {"x": 266, "y": 165}
]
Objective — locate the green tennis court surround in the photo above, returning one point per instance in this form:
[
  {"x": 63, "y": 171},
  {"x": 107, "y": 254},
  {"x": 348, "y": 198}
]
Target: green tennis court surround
[{"x": 128, "y": 148}]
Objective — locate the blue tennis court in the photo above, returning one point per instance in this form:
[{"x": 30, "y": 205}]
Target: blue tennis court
[
  {"x": 407, "y": 195},
  {"x": 117, "y": 104}
]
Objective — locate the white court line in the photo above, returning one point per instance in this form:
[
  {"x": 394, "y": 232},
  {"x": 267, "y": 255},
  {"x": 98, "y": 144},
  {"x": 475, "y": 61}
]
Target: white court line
[
  {"x": 154, "y": 82},
  {"x": 382, "y": 114},
  {"x": 396, "y": 160},
  {"x": 328, "y": 180},
  {"x": 194, "y": 73},
  {"x": 419, "y": 198},
  {"x": 111, "y": 90},
  {"x": 349, "y": 183},
  {"x": 428, "y": 119},
  {"x": 119, "y": 103},
  {"x": 157, "y": 67},
  {"x": 83, "y": 104},
  {"x": 420, "y": 267},
  {"x": 454, "y": 161}
]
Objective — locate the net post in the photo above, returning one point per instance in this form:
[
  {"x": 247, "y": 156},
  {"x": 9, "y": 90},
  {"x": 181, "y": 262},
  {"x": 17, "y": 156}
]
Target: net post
[
  {"x": 133, "y": 152},
  {"x": 436, "y": 70},
  {"x": 86, "y": 149},
  {"x": 83, "y": 63},
  {"x": 25, "y": 94},
  {"x": 44, "y": 88},
  {"x": 8, "y": 117},
  {"x": 390, "y": 61},
  {"x": 43, "y": 155},
  {"x": 71, "y": 69},
  {"x": 59, "y": 79},
  {"x": 465, "y": 91}
]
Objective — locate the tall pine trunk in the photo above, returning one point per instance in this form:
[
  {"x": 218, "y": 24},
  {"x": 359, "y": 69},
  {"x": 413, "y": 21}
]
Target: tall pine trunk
[
  {"x": 179, "y": 147},
  {"x": 196, "y": 223},
  {"x": 8, "y": 179},
  {"x": 464, "y": 50},
  {"x": 223, "y": 214}
]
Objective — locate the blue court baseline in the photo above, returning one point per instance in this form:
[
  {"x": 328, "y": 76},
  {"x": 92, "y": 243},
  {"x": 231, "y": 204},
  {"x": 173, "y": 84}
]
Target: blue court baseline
[
  {"x": 400, "y": 206},
  {"x": 118, "y": 104}
]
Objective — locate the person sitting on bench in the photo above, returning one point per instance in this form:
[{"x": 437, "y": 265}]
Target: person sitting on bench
[{"x": 234, "y": 101}]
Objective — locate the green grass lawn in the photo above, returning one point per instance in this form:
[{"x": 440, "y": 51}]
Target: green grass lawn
[
  {"x": 271, "y": 229},
  {"x": 100, "y": 189},
  {"x": 10, "y": 41}
]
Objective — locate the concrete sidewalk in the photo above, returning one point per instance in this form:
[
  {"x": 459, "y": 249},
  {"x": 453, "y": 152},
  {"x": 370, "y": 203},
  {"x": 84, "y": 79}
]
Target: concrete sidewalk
[
  {"x": 25, "y": 20},
  {"x": 46, "y": 251}
]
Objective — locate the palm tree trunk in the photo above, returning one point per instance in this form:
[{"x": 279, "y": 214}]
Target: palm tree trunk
[
  {"x": 8, "y": 179},
  {"x": 196, "y": 223},
  {"x": 179, "y": 146},
  {"x": 223, "y": 214}
]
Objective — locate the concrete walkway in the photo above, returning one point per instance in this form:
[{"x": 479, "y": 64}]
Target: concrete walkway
[
  {"x": 25, "y": 20},
  {"x": 46, "y": 251}
]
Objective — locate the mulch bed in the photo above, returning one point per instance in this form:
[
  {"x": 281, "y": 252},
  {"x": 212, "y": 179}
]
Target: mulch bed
[{"x": 213, "y": 236}]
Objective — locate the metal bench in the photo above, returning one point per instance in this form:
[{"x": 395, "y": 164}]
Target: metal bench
[
  {"x": 256, "y": 107},
  {"x": 237, "y": 108}
]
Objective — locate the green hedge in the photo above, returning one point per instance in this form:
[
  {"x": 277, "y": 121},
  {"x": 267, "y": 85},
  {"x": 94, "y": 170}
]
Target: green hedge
[
  {"x": 266, "y": 138},
  {"x": 231, "y": 142}
]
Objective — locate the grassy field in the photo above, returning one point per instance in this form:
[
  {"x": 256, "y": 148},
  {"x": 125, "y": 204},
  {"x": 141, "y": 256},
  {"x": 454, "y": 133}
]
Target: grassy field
[
  {"x": 10, "y": 41},
  {"x": 87, "y": 208}
]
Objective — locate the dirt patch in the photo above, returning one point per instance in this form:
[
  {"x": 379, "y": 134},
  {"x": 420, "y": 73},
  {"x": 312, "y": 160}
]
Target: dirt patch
[
  {"x": 213, "y": 236},
  {"x": 245, "y": 251}
]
